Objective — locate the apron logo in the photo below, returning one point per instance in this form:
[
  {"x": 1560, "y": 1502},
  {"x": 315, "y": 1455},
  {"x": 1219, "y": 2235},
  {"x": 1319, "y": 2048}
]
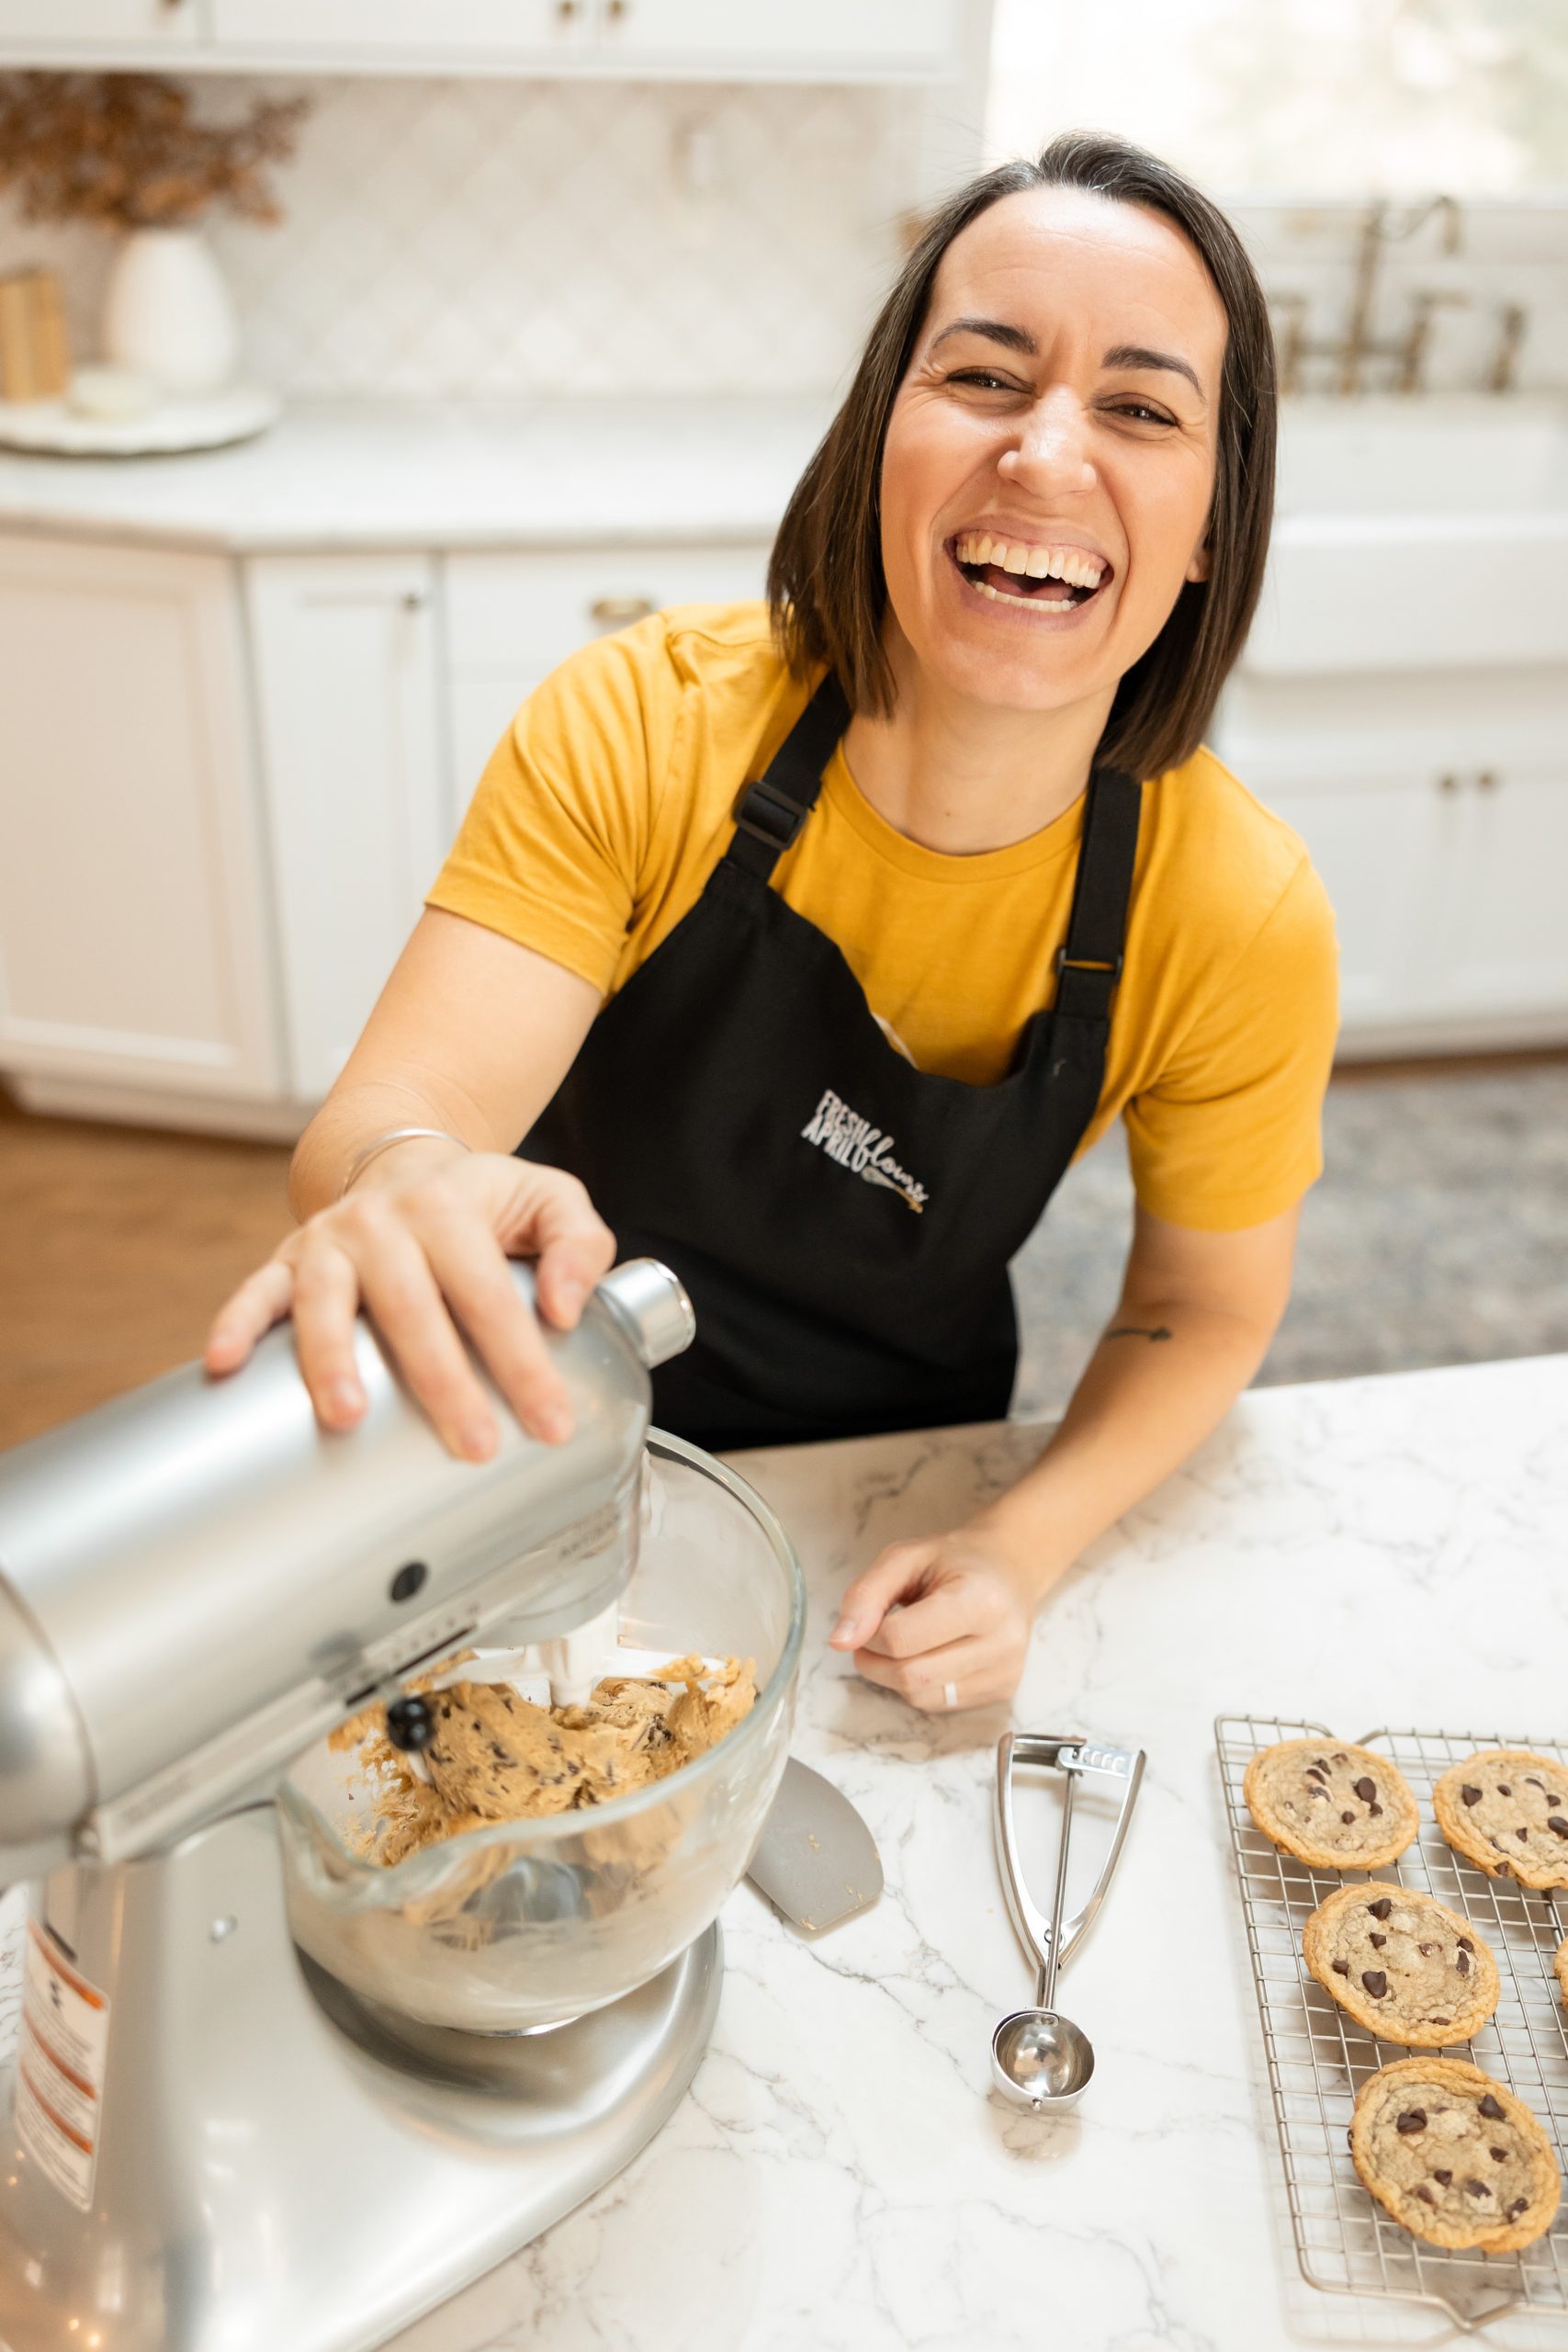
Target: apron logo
[{"x": 856, "y": 1145}]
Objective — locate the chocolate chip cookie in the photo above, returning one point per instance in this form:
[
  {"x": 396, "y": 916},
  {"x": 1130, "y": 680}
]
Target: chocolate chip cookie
[
  {"x": 1402, "y": 1965},
  {"x": 1507, "y": 1811},
  {"x": 1453, "y": 2156},
  {"x": 1342, "y": 1808}
]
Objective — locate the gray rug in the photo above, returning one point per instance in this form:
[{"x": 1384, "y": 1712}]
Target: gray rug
[{"x": 1439, "y": 1233}]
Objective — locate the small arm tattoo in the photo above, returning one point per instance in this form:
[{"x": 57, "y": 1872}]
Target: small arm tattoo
[{"x": 1140, "y": 1331}]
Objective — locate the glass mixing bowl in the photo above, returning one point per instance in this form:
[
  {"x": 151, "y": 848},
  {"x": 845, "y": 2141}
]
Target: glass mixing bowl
[{"x": 522, "y": 1925}]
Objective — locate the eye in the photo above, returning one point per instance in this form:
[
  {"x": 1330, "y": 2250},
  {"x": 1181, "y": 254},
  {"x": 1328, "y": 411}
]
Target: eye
[
  {"x": 983, "y": 379},
  {"x": 1142, "y": 414}
]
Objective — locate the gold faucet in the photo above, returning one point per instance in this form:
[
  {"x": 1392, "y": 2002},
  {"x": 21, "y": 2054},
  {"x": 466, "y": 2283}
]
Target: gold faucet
[{"x": 1360, "y": 343}]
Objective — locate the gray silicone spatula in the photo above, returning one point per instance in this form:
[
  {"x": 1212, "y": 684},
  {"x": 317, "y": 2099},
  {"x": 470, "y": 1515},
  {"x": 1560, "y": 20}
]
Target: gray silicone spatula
[{"x": 816, "y": 1860}]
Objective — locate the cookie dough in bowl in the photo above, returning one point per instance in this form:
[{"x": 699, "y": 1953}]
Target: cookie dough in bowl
[
  {"x": 1506, "y": 1810},
  {"x": 1333, "y": 1805},
  {"x": 1402, "y": 1965},
  {"x": 1453, "y": 2156}
]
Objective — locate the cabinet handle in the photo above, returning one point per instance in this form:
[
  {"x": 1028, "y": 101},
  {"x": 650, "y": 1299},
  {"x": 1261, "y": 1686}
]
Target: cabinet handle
[
  {"x": 1448, "y": 784},
  {"x": 565, "y": 10},
  {"x": 1487, "y": 780},
  {"x": 413, "y": 601},
  {"x": 616, "y": 612},
  {"x": 616, "y": 9}
]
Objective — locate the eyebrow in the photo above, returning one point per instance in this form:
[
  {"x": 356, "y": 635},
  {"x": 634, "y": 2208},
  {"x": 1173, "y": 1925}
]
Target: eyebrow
[{"x": 1120, "y": 355}]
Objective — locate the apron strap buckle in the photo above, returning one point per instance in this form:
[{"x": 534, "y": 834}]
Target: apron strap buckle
[{"x": 769, "y": 814}]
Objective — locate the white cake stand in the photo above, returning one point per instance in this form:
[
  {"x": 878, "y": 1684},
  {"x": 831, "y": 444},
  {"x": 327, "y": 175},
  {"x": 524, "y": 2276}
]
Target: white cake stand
[{"x": 54, "y": 428}]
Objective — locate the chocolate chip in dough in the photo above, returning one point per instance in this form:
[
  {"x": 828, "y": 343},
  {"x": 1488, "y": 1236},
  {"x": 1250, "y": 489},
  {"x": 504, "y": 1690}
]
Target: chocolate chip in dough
[
  {"x": 1319, "y": 1764},
  {"x": 1519, "y": 2205},
  {"x": 1316, "y": 1789},
  {"x": 1504, "y": 1787},
  {"x": 1342, "y": 1968},
  {"x": 1465, "y": 1944},
  {"x": 1491, "y": 2109},
  {"x": 1471, "y": 1796},
  {"x": 1425, "y": 1951},
  {"x": 1340, "y": 1757},
  {"x": 1461, "y": 1962},
  {"x": 1555, "y": 1821},
  {"x": 1347, "y": 1817},
  {"x": 1412, "y": 2120},
  {"x": 1375, "y": 1982},
  {"x": 1366, "y": 1788},
  {"x": 1550, "y": 1799},
  {"x": 1445, "y": 2177},
  {"x": 1424, "y": 2193},
  {"x": 1374, "y": 1810},
  {"x": 1521, "y": 1833},
  {"x": 1381, "y": 1907},
  {"x": 1534, "y": 1783},
  {"x": 1377, "y": 1942},
  {"x": 1313, "y": 1773},
  {"x": 1476, "y": 2188},
  {"x": 1498, "y": 2156}
]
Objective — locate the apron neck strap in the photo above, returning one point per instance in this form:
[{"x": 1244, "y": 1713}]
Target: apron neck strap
[
  {"x": 1089, "y": 965},
  {"x": 770, "y": 812}
]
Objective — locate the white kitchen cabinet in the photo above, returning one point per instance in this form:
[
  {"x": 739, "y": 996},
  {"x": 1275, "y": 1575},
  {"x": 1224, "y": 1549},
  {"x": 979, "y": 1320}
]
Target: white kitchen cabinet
[
  {"x": 358, "y": 814},
  {"x": 889, "y": 36},
  {"x": 133, "y": 931},
  {"x": 153, "y": 25},
  {"x": 511, "y": 618},
  {"x": 533, "y": 31},
  {"x": 1505, "y": 948}
]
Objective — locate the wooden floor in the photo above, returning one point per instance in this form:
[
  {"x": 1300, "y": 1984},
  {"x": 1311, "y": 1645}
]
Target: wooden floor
[{"x": 117, "y": 1244}]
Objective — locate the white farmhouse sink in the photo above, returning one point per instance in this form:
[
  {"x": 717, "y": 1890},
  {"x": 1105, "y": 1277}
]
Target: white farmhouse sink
[{"x": 1423, "y": 533}]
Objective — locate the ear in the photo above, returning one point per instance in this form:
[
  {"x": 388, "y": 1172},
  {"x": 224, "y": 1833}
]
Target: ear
[{"x": 1198, "y": 567}]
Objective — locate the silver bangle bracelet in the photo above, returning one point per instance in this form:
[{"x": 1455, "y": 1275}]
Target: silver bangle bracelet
[{"x": 379, "y": 1144}]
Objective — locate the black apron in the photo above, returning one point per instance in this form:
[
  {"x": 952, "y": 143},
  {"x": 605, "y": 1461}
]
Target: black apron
[{"x": 843, "y": 1220}]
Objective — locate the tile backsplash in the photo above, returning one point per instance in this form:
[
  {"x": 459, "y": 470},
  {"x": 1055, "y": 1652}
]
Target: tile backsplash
[
  {"x": 494, "y": 238},
  {"x": 490, "y": 239}
]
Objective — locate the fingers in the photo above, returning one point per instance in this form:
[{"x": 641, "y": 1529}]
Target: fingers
[
  {"x": 326, "y": 1301},
  {"x": 402, "y": 1293},
  {"x": 262, "y": 1300},
  {"x": 896, "y": 1574},
  {"x": 972, "y": 1669},
  {"x": 471, "y": 1269},
  {"x": 576, "y": 1249}
]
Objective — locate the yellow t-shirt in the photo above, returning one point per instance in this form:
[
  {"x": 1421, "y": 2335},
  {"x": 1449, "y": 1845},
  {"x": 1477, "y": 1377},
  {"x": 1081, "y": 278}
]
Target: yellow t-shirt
[{"x": 609, "y": 800}]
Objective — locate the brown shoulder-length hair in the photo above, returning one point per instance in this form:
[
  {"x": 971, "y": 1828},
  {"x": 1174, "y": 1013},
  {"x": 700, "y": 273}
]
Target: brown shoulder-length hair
[{"x": 826, "y": 586}]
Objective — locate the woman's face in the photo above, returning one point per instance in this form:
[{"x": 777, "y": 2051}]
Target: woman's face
[{"x": 1050, "y": 456}]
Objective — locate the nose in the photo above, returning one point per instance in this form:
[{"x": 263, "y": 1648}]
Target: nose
[{"x": 1051, "y": 452}]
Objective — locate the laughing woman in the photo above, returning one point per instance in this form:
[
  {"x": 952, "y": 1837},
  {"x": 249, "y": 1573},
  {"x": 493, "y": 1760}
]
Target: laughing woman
[{"x": 805, "y": 945}]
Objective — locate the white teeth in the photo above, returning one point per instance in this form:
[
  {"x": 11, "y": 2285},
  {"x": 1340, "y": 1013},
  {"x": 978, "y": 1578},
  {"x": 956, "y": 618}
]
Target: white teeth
[
  {"x": 1078, "y": 570},
  {"x": 1034, "y": 604}
]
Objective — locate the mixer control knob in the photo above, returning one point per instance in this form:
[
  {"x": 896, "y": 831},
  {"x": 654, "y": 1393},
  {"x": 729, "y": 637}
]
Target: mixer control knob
[
  {"x": 411, "y": 1723},
  {"x": 651, "y": 1305}
]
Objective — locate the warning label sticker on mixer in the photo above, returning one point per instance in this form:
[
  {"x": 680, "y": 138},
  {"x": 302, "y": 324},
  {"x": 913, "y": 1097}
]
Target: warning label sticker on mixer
[{"x": 60, "y": 2068}]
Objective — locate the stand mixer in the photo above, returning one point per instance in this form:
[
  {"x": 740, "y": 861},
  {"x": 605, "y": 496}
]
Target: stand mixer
[{"x": 268, "y": 2094}]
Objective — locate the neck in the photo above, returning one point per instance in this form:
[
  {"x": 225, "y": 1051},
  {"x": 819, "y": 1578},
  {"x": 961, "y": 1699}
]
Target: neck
[{"x": 960, "y": 776}]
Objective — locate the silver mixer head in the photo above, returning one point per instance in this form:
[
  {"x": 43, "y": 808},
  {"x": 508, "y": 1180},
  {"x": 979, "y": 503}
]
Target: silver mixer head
[{"x": 195, "y": 1582}]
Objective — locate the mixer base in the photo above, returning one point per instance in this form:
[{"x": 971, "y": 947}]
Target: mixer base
[{"x": 275, "y": 2170}]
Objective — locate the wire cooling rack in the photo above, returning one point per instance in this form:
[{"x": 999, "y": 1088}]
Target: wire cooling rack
[{"x": 1318, "y": 2057}]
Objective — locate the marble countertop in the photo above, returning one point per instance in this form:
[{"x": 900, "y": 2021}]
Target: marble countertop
[
  {"x": 842, "y": 2177},
  {"x": 443, "y": 474}
]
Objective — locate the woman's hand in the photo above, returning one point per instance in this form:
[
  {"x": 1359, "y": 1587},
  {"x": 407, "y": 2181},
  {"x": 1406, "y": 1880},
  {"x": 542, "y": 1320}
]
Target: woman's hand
[
  {"x": 423, "y": 1242},
  {"x": 944, "y": 1621}
]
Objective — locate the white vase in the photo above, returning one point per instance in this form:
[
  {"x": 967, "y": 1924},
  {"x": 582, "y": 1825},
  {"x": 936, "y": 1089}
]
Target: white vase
[{"x": 168, "y": 313}]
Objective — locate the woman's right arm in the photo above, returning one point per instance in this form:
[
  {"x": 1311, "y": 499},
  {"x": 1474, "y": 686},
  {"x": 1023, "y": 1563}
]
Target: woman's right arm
[{"x": 472, "y": 1035}]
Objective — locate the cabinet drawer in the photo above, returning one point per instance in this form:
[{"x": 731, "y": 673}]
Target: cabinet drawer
[{"x": 517, "y": 616}]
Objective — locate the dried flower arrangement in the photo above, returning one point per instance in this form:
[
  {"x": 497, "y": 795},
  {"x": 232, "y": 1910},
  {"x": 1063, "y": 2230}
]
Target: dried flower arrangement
[{"x": 127, "y": 151}]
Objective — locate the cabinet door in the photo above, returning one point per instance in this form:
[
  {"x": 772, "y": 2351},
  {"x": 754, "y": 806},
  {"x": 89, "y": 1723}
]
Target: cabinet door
[
  {"x": 522, "y": 30},
  {"x": 132, "y": 926},
  {"x": 868, "y": 35},
  {"x": 346, "y": 667},
  {"x": 1381, "y": 845},
  {"x": 122, "y": 23},
  {"x": 1505, "y": 943},
  {"x": 511, "y": 618}
]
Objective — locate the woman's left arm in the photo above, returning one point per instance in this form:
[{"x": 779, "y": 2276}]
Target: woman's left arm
[{"x": 946, "y": 1619}]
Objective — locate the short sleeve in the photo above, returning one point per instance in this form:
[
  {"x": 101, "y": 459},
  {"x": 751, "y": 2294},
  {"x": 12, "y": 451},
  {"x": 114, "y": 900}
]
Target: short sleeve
[
  {"x": 557, "y": 832},
  {"x": 1230, "y": 1133}
]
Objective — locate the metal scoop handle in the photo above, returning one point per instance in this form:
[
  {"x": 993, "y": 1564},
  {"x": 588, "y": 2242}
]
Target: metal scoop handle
[{"x": 1071, "y": 1752}]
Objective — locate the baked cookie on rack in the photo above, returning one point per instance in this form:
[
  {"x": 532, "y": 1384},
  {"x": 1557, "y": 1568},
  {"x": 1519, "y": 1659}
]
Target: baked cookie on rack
[
  {"x": 1453, "y": 2156},
  {"x": 1338, "y": 1807},
  {"x": 1402, "y": 1965},
  {"x": 1507, "y": 1811}
]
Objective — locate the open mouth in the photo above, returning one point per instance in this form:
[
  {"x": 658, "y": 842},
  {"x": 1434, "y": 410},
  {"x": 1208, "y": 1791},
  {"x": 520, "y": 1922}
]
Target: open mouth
[{"x": 1054, "y": 579}]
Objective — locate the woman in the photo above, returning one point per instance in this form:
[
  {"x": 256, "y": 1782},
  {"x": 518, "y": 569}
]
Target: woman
[{"x": 806, "y": 947}]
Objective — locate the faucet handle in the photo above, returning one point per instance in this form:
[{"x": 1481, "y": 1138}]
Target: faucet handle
[
  {"x": 1512, "y": 319},
  {"x": 1292, "y": 309},
  {"x": 1425, "y": 302}
]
